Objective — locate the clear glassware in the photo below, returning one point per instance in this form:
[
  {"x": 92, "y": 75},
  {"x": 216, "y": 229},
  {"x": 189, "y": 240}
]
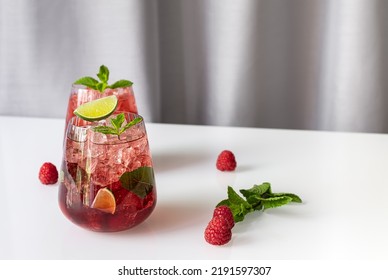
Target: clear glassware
[
  {"x": 107, "y": 182},
  {"x": 80, "y": 94}
]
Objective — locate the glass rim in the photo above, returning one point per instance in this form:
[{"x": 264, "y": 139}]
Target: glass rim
[
  {"x": 83, "y": 87},
  {"x": 75, "y": 132},
  {"x": 81, "y": 131},
  {"x": 93, "y": 123}
]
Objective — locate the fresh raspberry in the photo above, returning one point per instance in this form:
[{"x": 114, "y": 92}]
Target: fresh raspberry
[
  {"x": 218, "y": 231},
  {"x": 224, "y": 212},
  {"x": 48, "y": 173},
  {"x": 226, "y": 161}
]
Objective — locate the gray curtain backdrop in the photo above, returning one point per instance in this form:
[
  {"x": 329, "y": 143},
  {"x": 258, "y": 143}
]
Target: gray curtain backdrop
[{"x": 297, "y": 64}]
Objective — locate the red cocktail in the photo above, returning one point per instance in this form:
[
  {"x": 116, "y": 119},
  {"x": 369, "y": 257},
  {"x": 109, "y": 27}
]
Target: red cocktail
[
  {"x": 107, "y": 181},
  {"x": 81, "y": 94},
  {"x": 88, "y": 89}
]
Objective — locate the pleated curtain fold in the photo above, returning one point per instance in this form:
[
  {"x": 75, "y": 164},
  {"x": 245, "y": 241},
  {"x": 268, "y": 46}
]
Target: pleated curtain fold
[{"x": 295, "y": 64}]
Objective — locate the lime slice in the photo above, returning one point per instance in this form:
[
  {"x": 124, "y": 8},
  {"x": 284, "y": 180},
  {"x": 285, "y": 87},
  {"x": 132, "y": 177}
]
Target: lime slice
[{"x": 97, "y": 109}]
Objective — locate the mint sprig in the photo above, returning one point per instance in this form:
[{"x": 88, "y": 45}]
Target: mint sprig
[
  {"x": 117, "y": 127},
  {"x": 102, "y": 84},
  {"x": 257, "y": 198}
]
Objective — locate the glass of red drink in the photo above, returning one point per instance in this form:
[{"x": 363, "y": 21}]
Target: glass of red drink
[
  {"x": 107, "y": 181},
  {"x": 81, "y": 94}
]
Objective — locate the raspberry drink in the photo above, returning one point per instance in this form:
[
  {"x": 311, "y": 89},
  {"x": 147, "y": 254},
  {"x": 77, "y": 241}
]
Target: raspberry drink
[
  {"x": 107, "y": 181},
  {"x": 81, "y": 94},
  {"x": 87, "y": 89}
]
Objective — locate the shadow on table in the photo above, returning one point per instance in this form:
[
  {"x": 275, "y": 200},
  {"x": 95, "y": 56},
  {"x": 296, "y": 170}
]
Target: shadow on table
[
  {"x": 170, "y": 218},
  {"x": 164, "y": 161}
]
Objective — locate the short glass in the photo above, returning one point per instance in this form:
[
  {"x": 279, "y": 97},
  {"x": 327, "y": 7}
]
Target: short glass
[
  {"x": 80, "y": 94},
  {"x": 107, "y": 182}
]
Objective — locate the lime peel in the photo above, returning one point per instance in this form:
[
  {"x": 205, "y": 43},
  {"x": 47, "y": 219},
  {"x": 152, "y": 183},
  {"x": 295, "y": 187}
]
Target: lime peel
[{"x": 98, "y": 109}]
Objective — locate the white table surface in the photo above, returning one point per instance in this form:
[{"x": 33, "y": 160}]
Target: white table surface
[{"x": 341, "y": 177}]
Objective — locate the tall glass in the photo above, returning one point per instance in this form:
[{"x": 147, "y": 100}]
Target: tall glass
[
  {"x": 107, "y": 182},
  {"x": 80, "y": 94}
]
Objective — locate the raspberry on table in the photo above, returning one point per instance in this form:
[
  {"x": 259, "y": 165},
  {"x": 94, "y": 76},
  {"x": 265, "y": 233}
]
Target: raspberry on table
[
  {"x": 224, "y": 212},
  {"x": 218, "y": 231},
  {"x": 226, "y": 161},
  {"x": 48, "y": 174}
]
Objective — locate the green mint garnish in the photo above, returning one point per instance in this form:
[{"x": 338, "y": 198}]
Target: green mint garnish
[
  {"x": 87, "y": 81},
  {"x": 117, "y": 127},
  {"x": 139, "y": 181},
  {"x": 103, "y": 75},
  {"x": 102, "y": 84},
  {"x": 120, "y": 83},
  {"x": 259, "y": 197}
]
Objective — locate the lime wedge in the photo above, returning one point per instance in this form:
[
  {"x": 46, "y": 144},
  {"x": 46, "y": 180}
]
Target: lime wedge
[{"x": 97, "y": 109}]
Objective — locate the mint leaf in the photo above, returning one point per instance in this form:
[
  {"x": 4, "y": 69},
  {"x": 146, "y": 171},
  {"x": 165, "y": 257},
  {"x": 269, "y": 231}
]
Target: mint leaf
[
  {"x": 234, "y": 198},
  {"x": 223, "y": 202},
  {"x": 120, "y": 84},
  {"x": 257, "y": 190},
  {"x": 273, "y": 202},
  {"x": 103, "y": 74},
  {"x": 140, "y": 181},
  {"x": 239, "y": 212},
  {"x": 87, "y": 81},
  {"x": 254, "y": 200},
  {"x": 118, "y": 121},
  {"x": 131, "y": 123},
  {"x": 105, "y": 130},
  {"x": 294, "y": 197},
  {"x": 101, "y": 87},
  {"x": 254, "y": 194}
]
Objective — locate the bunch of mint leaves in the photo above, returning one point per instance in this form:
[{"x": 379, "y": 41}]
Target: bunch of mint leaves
[
  {"x": 117, "y": 127},
  {"x": 259, "y": 197},
  {"x": 102, "y": 84}
]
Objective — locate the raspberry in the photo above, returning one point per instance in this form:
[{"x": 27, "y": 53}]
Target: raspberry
[
  {"x": 226, "y": 161},
  {"x": 218, "y": 231},
  {"x": 224, "y": 212},
  {"x": 48, "y": 173}
]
